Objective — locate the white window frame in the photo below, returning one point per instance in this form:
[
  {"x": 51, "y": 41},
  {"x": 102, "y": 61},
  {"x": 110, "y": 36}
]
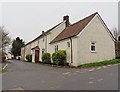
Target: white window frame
[
  {"x": 56, "y": 48},
  {"x": 91, "y": 44},
  {"x": 43, "y": 51},
  {"x": 68, "y": 44}
]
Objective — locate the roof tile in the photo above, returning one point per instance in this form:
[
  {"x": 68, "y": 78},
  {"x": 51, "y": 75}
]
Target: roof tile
[{"x": 74, "y": 29}]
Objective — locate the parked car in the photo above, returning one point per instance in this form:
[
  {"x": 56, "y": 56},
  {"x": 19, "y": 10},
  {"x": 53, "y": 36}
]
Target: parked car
[{"x": 18, "y": 57}]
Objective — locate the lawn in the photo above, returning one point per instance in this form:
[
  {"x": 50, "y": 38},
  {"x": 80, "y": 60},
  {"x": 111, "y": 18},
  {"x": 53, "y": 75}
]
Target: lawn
[{"x": 106, "y": 62}]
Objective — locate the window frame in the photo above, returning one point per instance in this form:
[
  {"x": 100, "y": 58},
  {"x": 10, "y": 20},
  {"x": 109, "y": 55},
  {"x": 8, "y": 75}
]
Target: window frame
[
  {"x": 56, "y": 48},
  {"x": 43, "y": 50},
  {"x": 68, "y": 44},
  {"x": 91, "y": 44}
]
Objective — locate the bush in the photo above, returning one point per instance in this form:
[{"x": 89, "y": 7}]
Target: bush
[
  {"x": 59, "y": 57},
  {"x": 29, "y": 57},
  {"x": 46, "y": 58}
]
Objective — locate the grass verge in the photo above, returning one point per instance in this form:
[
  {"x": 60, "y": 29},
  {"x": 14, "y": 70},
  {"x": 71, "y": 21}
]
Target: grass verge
[{"x": 96, "y": 64}]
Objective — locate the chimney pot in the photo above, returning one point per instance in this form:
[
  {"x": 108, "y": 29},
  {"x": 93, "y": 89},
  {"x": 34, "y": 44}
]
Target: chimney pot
[
  {"x": 42, "y": 32},
  {"x": 66, "y": 19}
]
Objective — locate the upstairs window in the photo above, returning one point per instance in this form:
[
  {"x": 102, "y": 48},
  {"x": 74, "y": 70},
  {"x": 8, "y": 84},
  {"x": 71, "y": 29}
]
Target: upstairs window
[
  {"x": 56, "y": 48},
  {"x": 43, "y": 51},
  {"x": 68, "y": 43},
  {"x": 93, "y": 47}
]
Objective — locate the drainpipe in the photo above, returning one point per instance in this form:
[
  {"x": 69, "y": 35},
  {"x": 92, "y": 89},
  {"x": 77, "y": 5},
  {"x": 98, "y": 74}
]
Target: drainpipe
[
  {"x": 46, "y": 43},
  {"x": 24, "y": 54},
  {"x": 71, "y": 50}
]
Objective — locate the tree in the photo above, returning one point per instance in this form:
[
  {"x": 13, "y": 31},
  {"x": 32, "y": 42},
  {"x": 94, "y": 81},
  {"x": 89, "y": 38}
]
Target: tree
[
  {"x": 5, "y": 39},
  {"x": 16, "y": 46},
  {"x": 116, "y": 33}
]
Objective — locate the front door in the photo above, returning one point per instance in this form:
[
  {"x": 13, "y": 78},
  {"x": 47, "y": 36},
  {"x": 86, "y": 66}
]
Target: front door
[{"x": 36, "y": 55}]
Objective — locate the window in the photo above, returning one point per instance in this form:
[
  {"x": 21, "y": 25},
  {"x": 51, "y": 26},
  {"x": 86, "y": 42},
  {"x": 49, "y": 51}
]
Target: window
[
  {"x": 56, "y": 48},
  {"x": 43, "y": 51},
  {"x": 68, "y": 43},
  {"x": 119, "y": 38},
  {"x": 93, "y": 46}
]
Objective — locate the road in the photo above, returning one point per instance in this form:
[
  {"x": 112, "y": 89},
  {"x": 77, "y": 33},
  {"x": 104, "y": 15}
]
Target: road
[{"x": 29, "y": 76}]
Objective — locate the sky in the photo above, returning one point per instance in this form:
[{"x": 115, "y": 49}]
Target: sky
[{"x": 28, "y": 19}]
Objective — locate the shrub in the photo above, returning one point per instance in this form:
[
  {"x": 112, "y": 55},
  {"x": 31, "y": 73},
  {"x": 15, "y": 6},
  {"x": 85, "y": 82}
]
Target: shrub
[
  {"x": 59, "y": 57},
  {"x": 46, "y": 58},
  {"x": 29, "y": 57}
]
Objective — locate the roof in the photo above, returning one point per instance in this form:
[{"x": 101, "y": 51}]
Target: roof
[
  {"x": 37, "y": 47},
  {"x": 42, "y": 34},
  {"x": 73, "y": 29}
]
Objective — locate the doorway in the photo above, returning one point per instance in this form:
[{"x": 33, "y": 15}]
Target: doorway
[{"x": 36, "y": 56}]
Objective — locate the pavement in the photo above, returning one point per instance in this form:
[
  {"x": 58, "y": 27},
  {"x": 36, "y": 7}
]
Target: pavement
[{"x": 29, "y": 76}]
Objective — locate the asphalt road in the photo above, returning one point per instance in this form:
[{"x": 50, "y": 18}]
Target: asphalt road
[{"x": 29, "y": 76}]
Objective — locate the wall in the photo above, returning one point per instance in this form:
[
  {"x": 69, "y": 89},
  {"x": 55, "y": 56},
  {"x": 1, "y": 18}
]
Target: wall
[
  {"x": 54, "y": 33},
  {"x": 62, "y": 45},
  {"x": 42, "y": 44},
  {"x": 95, "y": 31}
]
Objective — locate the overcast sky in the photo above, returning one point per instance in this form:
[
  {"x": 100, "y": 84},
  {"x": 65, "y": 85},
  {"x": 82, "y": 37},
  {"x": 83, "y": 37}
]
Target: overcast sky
[{"x": 27, "y": 20}]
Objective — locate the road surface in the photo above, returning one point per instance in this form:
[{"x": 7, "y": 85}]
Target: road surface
[{"x": 29, "y": 76}]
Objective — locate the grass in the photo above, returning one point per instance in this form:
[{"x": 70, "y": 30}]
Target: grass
[{"x": 96, "y": 64}]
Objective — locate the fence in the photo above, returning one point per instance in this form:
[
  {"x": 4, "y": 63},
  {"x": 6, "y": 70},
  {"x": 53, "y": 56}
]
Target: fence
[{"x": 117, "y": 49}]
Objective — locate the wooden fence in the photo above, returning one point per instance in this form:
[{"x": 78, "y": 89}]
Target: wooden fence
[{"x": 117, "y": 49}]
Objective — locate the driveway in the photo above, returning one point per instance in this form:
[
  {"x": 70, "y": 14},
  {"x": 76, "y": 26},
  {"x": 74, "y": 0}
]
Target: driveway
[{"x": 29, "y": 76}]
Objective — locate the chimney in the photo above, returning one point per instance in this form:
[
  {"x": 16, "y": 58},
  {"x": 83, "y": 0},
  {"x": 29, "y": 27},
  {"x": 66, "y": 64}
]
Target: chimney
[
  {"x": 42, "y": 32},
  {"x": 66, "y": 19}
]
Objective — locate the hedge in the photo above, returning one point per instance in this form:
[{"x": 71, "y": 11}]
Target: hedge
[
  {"x": 29, "y": 57},
  {"x": 46, "y": 58},
  {"x": 59, "y": 57}
]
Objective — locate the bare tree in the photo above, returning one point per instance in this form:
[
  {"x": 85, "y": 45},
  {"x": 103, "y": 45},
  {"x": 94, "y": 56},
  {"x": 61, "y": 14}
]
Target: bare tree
[
  {"x": 4, "y": 38},
  {"x": 116, "y": 33}
]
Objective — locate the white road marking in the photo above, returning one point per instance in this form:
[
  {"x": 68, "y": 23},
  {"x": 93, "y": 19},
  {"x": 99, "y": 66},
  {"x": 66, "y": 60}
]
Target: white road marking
[
  {"x": 108, "y": 65},
  {"x": 66, "y": 73},
  {"x": 77, "y": 71},
  {"x": 104, "y": 66},
  {"x": 91, "y": 82},
  {"x": 99, "y": 80},
  {"x": 99, "y": 68},
  {"x": 17, "y": 88},
  {"x": 5, "y": 66},
  {"x": 91, "y": 70}
]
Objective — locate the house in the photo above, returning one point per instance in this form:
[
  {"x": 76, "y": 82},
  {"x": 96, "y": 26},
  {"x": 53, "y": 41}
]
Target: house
[
  {"x": 86, "y": 41},
  {"x": 9, "y": 55}
]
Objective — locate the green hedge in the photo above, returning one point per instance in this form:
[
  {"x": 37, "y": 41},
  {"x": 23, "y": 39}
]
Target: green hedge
[
  {"x": 59, "y": 57},
  {"x": 46, "y": 58},
  {"x": 29, "y": 57}
]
